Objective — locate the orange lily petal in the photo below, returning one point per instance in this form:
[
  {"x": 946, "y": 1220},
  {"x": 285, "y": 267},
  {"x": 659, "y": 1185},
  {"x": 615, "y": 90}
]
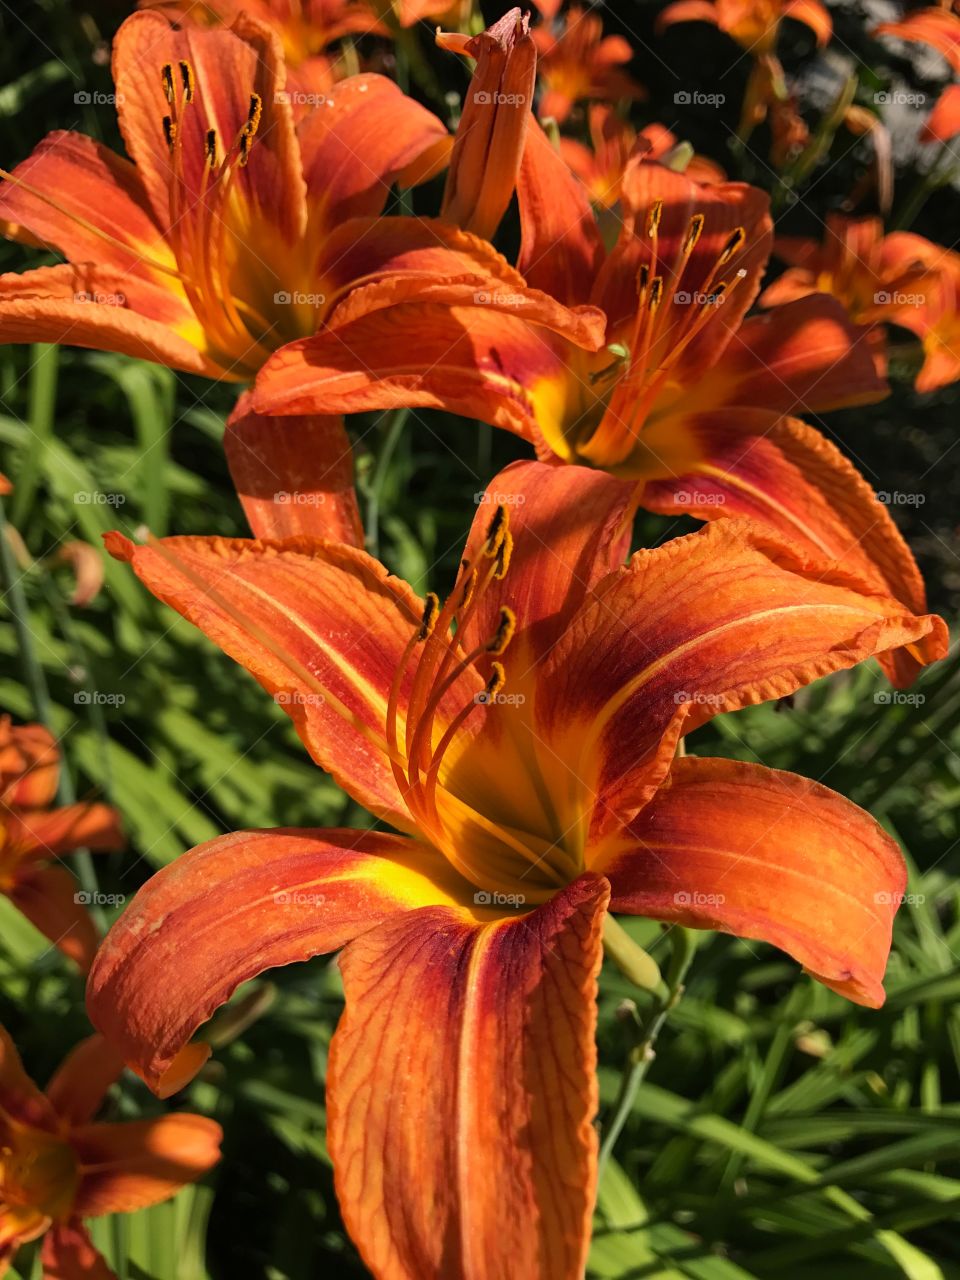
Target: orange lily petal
[
  {"x": 131, "y": 1166},
  {"x": 935, "y": 26},
  {"x": 80, "y": 1084},
  {"x": 49, "y": 898},
  {"x": 477, "y": 361},
  {"x": 687, "y": 11},
  {"x": 29, "y": 765},
  {"x": 293, "y": 476},
  {"x": 68, "y": 1253},
  {"x": 57, "y": 831},
  {"x": 81, "y": 306},
  {"x": 791, "y": 479},
  {"x": 813, "y": 15},
  {"x": 718, "y": 620},
  {"x": 19, "y": 1096},
  {"x": 366, "y": 136},
  {"x": 320, "y": 625},
  {"x": 804, "y": 356},
  {"x": 570, "y": 527},
  {"x": 767, "y": 855},
  {"x": 485, "y": 1037},
  {"x": 227, "y": 66},
  {"x": 286, "y": 895},
  {"x": 489, "y": 141},
  {"x": 561, "y": 249},
  {"x": 943, "y": 122}
]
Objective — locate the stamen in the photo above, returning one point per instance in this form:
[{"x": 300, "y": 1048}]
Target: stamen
[
  {"x": 656, "y": 293},
  {"x": 653, "y": 217},
  {"x": 498, "y": 678},
  {"x": 244, "y": 149},
  {"x": 169, "y": 132},
  {"x": 504, "y": 632},
  {"x": 694, "y": 229},
  {"x": 253, "y": 115},
  {"x": 495, "y": 533},
  {"x": 504, "y": 553},
  {"x": 166, "y": 75},
  {"x": 431, "y": 611},
  {"x": 643, "y": 275},
  {"x": 733, "y": 245},
  {"x": 210, "y": 146},
  {"x": 469, "y": 586},
  {"x": 186, "y": 79}
]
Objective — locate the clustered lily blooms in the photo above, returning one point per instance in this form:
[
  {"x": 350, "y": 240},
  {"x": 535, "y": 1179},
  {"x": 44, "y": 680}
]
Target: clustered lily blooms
[
  {"x": 521, "y": 740},
  {"x": 35, "y": 834},
  {"x": 59, "y": 1166}
]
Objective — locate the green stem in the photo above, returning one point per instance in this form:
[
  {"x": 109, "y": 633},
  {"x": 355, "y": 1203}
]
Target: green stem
[
  {"x": 641, "y": 1052},
  {"x": 42, "y": 410},
  {"x": 387, "y": 450},
  {"x": 935, "y": 177},
  {"x": 37, "y": 684}
]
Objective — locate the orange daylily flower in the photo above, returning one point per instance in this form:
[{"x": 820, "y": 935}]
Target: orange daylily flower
[
  {"x": 57, "y": 1168},
  {"x": 523, "y": 737},
  {"x": 936, "y": 26},
  {"x": 681, "y": 392},
  {"x": 494, "y": 120},
  {"x": 614, "y": 141},
  {"x": 32, "y": 834},
  {"x": 943, "y": 122},
  {"x": 900, "y": 279},
  {"x": 579, "y": 62}
]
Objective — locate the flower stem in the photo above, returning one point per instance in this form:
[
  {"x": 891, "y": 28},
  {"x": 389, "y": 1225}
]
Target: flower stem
[
  {"x": 387, "y": 450},
  {"x": 646, "y": 1031}
]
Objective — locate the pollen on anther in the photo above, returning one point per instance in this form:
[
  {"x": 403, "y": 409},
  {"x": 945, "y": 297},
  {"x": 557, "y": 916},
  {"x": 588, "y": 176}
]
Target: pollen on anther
[
  {"x": 654, "y": 216},
  {"x": 254, "y": 114},
  {"x": 186, "y": 79},
  {"x": 169, "y": 131},
  {"x": 495, "y": 532},
  {"x": 469, "y": 586},
  {"x": 431, "y": 611},
  {"x": 694, "y": 229},
  {"x": 504, "y": 552},
  {"x": 656, "y": 293},
  {"x": 244, "y": 149},
  {"x": 504, "y": 632},
  {"x": 498, "y": 678},
  {"x": 734, "y": 244},
  {"x": 166, "y": 75},
  {"x": 210, "y": 146}
]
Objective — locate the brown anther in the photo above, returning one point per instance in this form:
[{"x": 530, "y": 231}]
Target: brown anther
[
  {"x": 431, "y": 611},
  {"x": 166, "y": 75},
  {"x": 186, "y": 79},
  {"x": 654, "y": 216},
  {"x": 244, "y": 149},
  {"x": 469, "y": 586},
  {"x": 656, "y": 293},
  {"x": 504, "y": 632},
  {"x": 253, "y": 115},
  {"x": 210, "y": 146},
  {"x": 498, "y": 678},
  {"x": 496, "y": 531},
  {"x": 504, "y": 552},
  {"x": 169, "y": 132},
  {"x": 694, "y": 228},
  {"x": 643, "y": 275},
  {"x": 734, "y": 244}
]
